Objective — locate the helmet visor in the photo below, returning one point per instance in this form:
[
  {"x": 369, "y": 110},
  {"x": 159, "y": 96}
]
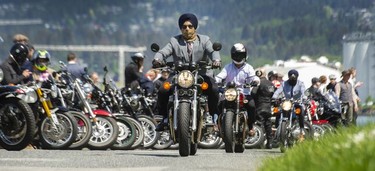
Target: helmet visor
[{"x": 238, "y": 57}]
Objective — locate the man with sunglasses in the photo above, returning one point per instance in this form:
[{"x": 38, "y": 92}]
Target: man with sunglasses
[{"x": 189, "y": 47}]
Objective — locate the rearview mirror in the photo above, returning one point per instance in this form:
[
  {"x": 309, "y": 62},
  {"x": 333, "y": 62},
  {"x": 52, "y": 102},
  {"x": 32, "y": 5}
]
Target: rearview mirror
[{"x": 155, "y": 47}]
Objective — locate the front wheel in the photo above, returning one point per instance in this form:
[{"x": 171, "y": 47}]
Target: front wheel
[
  {"x": 17, "y": 124},
  {"x": 257, "y": 140},
  {"x": 228, "y": 132},
  {"x": 84, "y": 130},
  {"x": 104, "y": 134},
  {"x": 60, "y": 136},
  {"x": 126, "y": 136},
  {"x": 183, "y": 123},
  {"x": 151, "y": 136}
]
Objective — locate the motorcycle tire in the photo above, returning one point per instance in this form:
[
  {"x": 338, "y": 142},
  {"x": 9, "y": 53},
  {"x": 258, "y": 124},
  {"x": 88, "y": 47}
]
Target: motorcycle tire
[
  {"x": 210, "y": 141},
  {"x": 139, "y": 133},
  {"x": 319, "y": 131},
  {"x": 228, "y": 132},
  {"x": 256, "y": 141},
  {"x": 239, "y": 148},
  {"x": 183, "y": 129},
  {"x": 193, "y": 148},
  {"x": 84, "y": 130},
  {"x": 108, "y": 131},
  {"x": 164, "y": 141},
  {"x": 151, "y": 136},
  {"x": 126, "y": 136},
  {"x": 61, "y": 138},
  {"x": 19, "y": 141},
  {"x": 283, "y": 137}
]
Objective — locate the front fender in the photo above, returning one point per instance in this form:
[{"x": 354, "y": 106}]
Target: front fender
[{"x": 101, "y": 112}]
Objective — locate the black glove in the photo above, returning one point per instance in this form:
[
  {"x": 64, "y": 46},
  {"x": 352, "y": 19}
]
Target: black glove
[
  {"x": 216, "y": 64},
  {"x": 157, "y": 63}
]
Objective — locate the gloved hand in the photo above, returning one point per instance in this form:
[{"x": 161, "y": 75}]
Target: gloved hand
[
  {"x": 157, "y": 63},
  {"x": 216, "y": 64}
]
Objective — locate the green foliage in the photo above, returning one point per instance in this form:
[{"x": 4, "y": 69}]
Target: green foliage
[{"x": 346, "y": 150}]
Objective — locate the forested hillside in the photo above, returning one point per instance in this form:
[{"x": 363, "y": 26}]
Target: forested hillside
[{"x": 272, "y": 29}]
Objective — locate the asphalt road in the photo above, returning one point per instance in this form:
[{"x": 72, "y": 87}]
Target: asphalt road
[{"x": 132, "y": 160}]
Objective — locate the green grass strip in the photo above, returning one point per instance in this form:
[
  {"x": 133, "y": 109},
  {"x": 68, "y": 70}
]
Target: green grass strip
[{"x": 349, "y": 149}]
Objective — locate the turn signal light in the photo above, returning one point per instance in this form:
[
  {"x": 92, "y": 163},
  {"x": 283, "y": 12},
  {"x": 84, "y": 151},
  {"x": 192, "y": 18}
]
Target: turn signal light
[
  {"x": 204, "y": 86},
  {"x": 167, "y": 85},
  {"x": 297, "y": 111},
  {"x": 275, "y": 110}
]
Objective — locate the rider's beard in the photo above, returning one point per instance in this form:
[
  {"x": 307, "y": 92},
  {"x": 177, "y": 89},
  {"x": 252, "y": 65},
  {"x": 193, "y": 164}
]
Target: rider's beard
[
  {"x": 189, "y": 35},
  {"x": 292, "y": 82}
]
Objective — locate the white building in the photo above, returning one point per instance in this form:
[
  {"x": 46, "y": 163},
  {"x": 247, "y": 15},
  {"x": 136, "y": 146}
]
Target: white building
[{"x": 359, "y": 52}]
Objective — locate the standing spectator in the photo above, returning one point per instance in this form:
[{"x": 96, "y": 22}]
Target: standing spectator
[
  {"x": 356, "y": 84},
  {"x": 332, "y": 83},
  {"x": 323, "y": 84},
  {"x": 346, "y": 94},
  {"x": 262, "y": 98},
  {"x": 73, "y": 67}
]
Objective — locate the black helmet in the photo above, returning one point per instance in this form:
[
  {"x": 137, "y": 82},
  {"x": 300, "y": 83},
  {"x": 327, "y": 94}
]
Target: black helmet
[
  {"x": 19, "y": 52},
  {"x": 137, "y": 57},
  {"x": 271, "y": 74},
  {"x": 238, "y": 53}
]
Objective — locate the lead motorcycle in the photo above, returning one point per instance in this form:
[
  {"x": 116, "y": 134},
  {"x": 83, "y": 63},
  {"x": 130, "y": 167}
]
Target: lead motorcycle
[
  {"x": 17, "y": 121},
  {"x": 187, "y": 105}
]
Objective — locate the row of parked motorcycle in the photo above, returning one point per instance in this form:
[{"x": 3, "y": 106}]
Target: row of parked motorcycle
[{"x": 73, "y": 113}]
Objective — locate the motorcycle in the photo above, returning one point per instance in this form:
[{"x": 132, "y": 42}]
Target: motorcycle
[
  {"x": 109, "y": 100},
  {"x": 57, "y": 129},
  {"x": 187, "y": 106},
  {"x": 17, "y": 120},
  {"x": 105, "y": 128},
  {"x": 288, "y": 131},
  {"x": 234, "y": 118}
]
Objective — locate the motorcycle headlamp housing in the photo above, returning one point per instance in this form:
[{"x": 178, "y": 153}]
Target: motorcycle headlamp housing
[
  {"x": 230, "y": 94},
  {"x": 185, "y": 79},
  {"x": 54, "y": 92},
  {"x": 286, "y": 105},
  {"x": 87, "y": 88},
  {"x": 1, "y": 75}
]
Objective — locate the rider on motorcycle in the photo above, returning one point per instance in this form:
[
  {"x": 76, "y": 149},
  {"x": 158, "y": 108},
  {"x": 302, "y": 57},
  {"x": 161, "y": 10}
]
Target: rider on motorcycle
[
  {"x": 134, "y": 76},
  {"x": 293, "y": 88},
  {"x": 240, "y": 73},
  {"x": 189, "y": 47},
  {"x": 314, "y": 92},
  {"x": 40, "y": 66},
  {"x": 13, "y": 74}
]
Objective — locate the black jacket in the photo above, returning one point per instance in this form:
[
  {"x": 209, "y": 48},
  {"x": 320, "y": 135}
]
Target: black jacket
[
  {"x": 133, "y": 78},
  {"x": 263, "y": 95},
  {"x": 12, "y": 73}
]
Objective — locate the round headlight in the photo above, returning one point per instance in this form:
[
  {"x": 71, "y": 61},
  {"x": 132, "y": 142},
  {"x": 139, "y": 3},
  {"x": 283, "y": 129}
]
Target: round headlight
[
  {"x": 185, "y": 79},
  {"x": 230, "y": 94},
  {"x": 286, "y": 105},
  {"x": 87, "y": 88}
]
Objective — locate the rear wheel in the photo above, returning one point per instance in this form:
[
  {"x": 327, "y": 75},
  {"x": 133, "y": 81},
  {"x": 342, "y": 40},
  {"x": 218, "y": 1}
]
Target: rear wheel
[{"x": 257, "y": 140}]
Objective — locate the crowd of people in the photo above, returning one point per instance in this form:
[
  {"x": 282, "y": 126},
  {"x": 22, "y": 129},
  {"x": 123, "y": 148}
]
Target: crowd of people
[{"x": 26, "y": 63}]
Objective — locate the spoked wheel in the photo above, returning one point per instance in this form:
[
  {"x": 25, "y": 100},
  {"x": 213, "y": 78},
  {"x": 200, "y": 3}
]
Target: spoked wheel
[
  {"x": 151, "y": 136},
  {"x": 257, "y": 140},
  {"x": 104, "y": 134},
  {"x": 139, "y": 133},
  {"x": 84, "y": 130},
  {"x": 17, "y": 124},
  {"x": 126, "y": 136},
  {"x": 61, "y": 136}
]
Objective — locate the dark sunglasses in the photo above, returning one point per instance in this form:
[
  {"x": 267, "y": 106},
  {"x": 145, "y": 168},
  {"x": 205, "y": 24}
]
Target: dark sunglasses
[{"x": 186, "y": 26}]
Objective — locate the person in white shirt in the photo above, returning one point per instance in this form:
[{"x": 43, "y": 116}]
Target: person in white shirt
[{"x": 240, "y": 73}]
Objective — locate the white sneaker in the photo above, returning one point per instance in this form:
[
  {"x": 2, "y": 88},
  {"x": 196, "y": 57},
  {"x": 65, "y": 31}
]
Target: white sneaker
[{"x": 209, "y": 119}]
